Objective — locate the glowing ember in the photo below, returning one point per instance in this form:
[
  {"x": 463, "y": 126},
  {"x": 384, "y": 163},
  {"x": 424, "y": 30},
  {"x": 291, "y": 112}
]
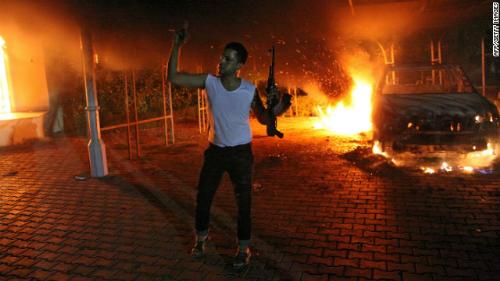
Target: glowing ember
[
  {"x": 489, "y": 151},
  {"x": 468, "y": 169},
  {"x": 445, "y": 167},
  {"x": 4, "y": 86},
  {"x": 428, "y": 170},
  {"x": 480, "y": 159},
  {"x": 349, "y": 119},
  {"x": 472, "y": 162}
]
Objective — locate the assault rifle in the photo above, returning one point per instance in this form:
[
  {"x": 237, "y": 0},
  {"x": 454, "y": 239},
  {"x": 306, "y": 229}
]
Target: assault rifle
[{"x": 273, "y": 99}]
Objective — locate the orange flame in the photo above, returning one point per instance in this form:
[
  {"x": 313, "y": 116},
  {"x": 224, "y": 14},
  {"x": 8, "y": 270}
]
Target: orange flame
[
  {"x": 349, "y": 119},
  {"x": 428, "y": 170},
  {"x": 4, "y": 86},
  {"x": 469, "y": 163},
  {"x": 377, "y": 149}
]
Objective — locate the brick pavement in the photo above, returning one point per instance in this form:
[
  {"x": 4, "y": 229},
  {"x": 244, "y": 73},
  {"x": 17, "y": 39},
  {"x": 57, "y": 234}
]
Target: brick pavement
[{"x": 319, "y": 214}]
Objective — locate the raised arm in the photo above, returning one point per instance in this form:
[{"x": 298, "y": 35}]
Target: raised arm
[{"x": 180, "y": 78}]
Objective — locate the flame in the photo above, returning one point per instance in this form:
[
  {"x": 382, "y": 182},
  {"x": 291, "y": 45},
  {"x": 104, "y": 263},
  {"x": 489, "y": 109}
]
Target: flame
[
  {"x": 468, "y": 169},
  {"x": 487, "y": 153},
  {"x": 445, "y": 167},
  {"x": 472, "y": 162},
  {"x": 428, "y": 170},
  {"x": 349, "y": 119},
  {"x": 4, "y": 86},
  {"x": 377, "y": 149}
]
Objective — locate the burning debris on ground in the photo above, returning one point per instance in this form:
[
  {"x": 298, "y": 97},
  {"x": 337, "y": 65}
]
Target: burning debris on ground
[{"x": 372, "y": 163}]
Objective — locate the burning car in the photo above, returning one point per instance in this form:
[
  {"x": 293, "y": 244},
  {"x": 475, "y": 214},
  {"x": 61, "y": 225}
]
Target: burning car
[{"x": 433, "y": 106}]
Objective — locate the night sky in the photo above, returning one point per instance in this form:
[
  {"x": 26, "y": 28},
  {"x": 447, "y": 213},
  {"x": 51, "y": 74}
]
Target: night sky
[
  {"x": 258, "y": 24},
  {"x": 313, "y": 38}
]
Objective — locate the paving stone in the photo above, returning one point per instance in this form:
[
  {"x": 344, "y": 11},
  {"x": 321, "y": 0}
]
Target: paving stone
[
  {"x": 318, "y": 215},
  {"x": 387, "y": 275}
]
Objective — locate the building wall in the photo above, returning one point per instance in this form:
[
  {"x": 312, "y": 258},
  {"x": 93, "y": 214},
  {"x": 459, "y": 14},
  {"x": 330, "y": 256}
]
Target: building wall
[{"x": 27, "y": 72}]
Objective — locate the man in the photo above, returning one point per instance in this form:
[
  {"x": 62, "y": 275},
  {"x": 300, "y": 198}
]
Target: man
[{"x": 230, "y": 99}]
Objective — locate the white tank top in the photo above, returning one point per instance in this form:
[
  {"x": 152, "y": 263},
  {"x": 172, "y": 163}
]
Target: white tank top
[{"x": 228, "y": 112}]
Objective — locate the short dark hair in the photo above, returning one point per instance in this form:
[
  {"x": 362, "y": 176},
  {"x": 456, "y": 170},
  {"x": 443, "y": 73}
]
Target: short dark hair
[{"x": 241, "y": 52}]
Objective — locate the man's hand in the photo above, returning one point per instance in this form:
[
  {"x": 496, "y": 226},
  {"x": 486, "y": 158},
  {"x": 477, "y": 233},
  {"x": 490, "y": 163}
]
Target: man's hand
[
  {"x": 190, "y": 80},
  {"x": 181, "y": 35},
  {"x": 286, "y": 99},
  {"x": 283, "y": 105}
]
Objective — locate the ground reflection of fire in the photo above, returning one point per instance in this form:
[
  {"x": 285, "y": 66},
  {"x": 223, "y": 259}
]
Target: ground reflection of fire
[
  {"x": 4, "y": 86},
  {"x": 349, "y": 119}
]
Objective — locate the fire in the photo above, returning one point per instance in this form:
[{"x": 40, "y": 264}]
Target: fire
[
  {"x": 489, "y": 152},
  {"x": 377, "y": 149},
  {"x": 468, "y": 169},
  {"x": 445, "y": 167},
  {"x": 4, "y": 86},
  {"x": 349, "y": 119},
  {"x": 428, "y": 170},
  {"x": 472, "y": 162}
]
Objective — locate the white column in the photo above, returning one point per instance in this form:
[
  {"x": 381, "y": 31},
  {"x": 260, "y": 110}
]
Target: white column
[{"x": 96, "y": 147}]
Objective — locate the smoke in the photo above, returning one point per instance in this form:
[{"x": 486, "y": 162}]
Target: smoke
[
  {"x": 377, "y": 21},
  {"x": 358, "y": 62},
  {"x": 314, "y": 91},
  {"x": 395, "y": 20},
  {"x": 45, "y": 25},
  {"x": 130, "y": 50},
  {"x": 313, "y": 34},
  {"x": 121, "y": 39}
]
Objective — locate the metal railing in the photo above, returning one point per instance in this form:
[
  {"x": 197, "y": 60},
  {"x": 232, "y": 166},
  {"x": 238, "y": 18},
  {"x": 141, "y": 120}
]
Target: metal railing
[{"x": 168, "y": 115}]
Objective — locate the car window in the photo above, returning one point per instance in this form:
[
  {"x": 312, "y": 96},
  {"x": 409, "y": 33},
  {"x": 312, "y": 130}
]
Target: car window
[{"x": 425, "y": 80}]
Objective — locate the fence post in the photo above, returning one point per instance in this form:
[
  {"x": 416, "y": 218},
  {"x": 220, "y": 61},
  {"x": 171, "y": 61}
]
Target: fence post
[
  {"x": 137, "y": 137},
  {"x": 171, "y": 116},
  {"x": 127, "y": 113}
]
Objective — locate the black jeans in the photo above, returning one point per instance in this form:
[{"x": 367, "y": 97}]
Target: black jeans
[{"x": 237, "y": 161}]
